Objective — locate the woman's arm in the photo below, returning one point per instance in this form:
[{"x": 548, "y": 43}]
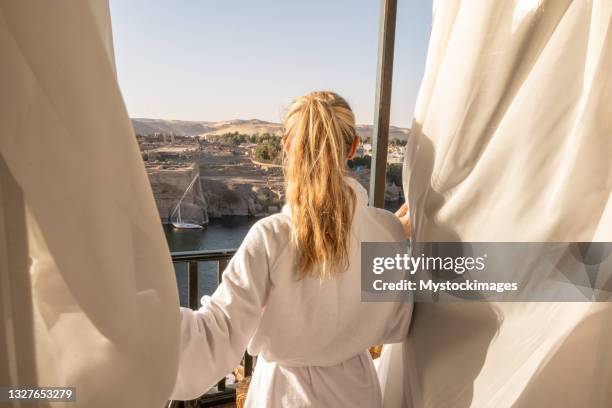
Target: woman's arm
[{"x": 214, "y": 338}]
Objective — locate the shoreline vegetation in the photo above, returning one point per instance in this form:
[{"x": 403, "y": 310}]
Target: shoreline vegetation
[{"x": 239, "y": 173}]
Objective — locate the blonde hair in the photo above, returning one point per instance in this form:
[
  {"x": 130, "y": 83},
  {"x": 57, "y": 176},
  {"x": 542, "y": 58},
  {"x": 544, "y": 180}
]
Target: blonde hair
[{"x": 319, "y": 133}]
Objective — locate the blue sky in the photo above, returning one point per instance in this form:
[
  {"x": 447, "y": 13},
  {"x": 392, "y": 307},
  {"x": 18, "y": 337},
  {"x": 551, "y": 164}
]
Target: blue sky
[{"x": 220, "y": 60}]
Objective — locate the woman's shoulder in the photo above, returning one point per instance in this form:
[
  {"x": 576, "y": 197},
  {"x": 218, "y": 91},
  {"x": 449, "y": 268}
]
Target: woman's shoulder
[
  {"x": 272, "y": 234},
  {"x": 277, "y": 224},
  {"x": 384, "y": 223}
]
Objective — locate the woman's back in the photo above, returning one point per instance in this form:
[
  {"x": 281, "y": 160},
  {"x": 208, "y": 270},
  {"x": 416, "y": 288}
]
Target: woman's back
[
  {"x": 323, "y": 322},
  {"x": 292, "y": 292}
]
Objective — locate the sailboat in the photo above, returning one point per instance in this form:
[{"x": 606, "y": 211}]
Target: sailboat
[{"x": 178, "y": 223}]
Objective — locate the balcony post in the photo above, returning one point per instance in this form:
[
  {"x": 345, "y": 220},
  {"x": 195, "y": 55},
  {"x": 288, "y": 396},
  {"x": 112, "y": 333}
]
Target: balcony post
[
  {"x": 221, "y": 267},
  {"x": 382, "y": 107},
  {"x": 192, "y": 297},
  {"x": 248, "y": 364}
]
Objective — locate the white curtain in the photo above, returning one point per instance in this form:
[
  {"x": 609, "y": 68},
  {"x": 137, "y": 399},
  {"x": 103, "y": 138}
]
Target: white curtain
[
  {"x": 512, "y": 141},
  {"x": 89, "y": 297}
]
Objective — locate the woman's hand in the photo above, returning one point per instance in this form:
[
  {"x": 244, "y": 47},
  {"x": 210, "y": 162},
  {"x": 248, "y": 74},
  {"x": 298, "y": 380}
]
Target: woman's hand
[{"x": 403, "y": 214}]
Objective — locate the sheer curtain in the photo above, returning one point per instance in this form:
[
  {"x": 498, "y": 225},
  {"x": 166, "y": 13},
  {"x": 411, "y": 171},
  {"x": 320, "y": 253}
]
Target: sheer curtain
[
  {"x": 512, "y": 141},
  {"x": 89, "y": 297}
]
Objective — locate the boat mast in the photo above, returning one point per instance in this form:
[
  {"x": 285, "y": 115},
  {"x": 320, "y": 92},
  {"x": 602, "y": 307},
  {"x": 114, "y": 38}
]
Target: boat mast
[{"x": 178, "y": 206}]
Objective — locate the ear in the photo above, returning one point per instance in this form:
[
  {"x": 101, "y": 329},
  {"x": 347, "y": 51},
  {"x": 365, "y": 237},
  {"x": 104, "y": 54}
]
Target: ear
[{"x": 353, "y": 148}]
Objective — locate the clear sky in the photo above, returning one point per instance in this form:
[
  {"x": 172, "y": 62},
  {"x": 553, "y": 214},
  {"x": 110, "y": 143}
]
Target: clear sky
[{"x": 242, "y": 59}]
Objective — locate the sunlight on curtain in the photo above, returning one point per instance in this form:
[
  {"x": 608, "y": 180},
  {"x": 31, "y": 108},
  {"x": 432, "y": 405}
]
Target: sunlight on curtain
[
  {"x": 511, "y": 142},
  {"x": 101, "y": 291}
]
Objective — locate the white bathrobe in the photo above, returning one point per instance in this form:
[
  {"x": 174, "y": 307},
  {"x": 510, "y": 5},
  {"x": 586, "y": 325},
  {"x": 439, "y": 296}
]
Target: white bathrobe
[{"x": 311, "y": 337}]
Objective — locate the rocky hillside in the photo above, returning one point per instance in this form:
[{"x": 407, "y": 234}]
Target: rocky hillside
[
  {"x": 145, "y": 126},
  {"x": 168, "y": 183}
]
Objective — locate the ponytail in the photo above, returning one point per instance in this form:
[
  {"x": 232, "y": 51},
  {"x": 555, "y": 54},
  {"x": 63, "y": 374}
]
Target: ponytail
[{"x": 320, "y": 129}]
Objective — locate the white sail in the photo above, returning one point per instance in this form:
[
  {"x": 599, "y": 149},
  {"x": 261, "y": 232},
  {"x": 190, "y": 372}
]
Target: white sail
[{"x": 177, "y": 210}]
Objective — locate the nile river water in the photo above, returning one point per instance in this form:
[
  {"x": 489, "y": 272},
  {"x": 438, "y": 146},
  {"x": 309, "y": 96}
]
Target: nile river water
[{"x": 221, "y": 233}]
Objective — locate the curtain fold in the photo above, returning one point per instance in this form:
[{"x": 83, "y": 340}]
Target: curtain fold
[
  {"x": 511, "y": 141},
  {"x": 104, "y": 298}
]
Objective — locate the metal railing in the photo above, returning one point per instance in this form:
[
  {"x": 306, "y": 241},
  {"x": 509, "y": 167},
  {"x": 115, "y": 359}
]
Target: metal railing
[{"x": 224, "y": 394}]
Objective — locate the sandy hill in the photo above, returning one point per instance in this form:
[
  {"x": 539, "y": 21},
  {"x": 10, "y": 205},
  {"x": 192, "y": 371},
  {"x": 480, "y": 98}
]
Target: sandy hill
[
  {"x": 394, "y": 132},
  {"x": 145, "y": 126},
  {"x": 251, "y": 126}
]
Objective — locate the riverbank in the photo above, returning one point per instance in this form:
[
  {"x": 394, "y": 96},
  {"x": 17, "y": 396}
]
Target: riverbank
[{"x": 231, "y": 181}]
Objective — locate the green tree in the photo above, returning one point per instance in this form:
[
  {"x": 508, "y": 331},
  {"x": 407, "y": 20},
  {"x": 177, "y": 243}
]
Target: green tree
[{"x": 268, "y": 149}]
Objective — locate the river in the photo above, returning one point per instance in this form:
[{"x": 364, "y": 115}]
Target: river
[{"x": 221, "y": 233}]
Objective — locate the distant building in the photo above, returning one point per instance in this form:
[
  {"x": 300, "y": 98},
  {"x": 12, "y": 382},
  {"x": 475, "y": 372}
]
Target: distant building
[{"x": 395, "y": 154}]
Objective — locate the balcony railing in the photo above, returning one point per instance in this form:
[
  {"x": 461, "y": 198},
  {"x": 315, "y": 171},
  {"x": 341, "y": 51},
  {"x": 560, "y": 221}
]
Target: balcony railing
[{"x": 223, "y": 394}]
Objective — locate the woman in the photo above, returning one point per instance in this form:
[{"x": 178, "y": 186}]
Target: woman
[{"x": 292, "y": 292}]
